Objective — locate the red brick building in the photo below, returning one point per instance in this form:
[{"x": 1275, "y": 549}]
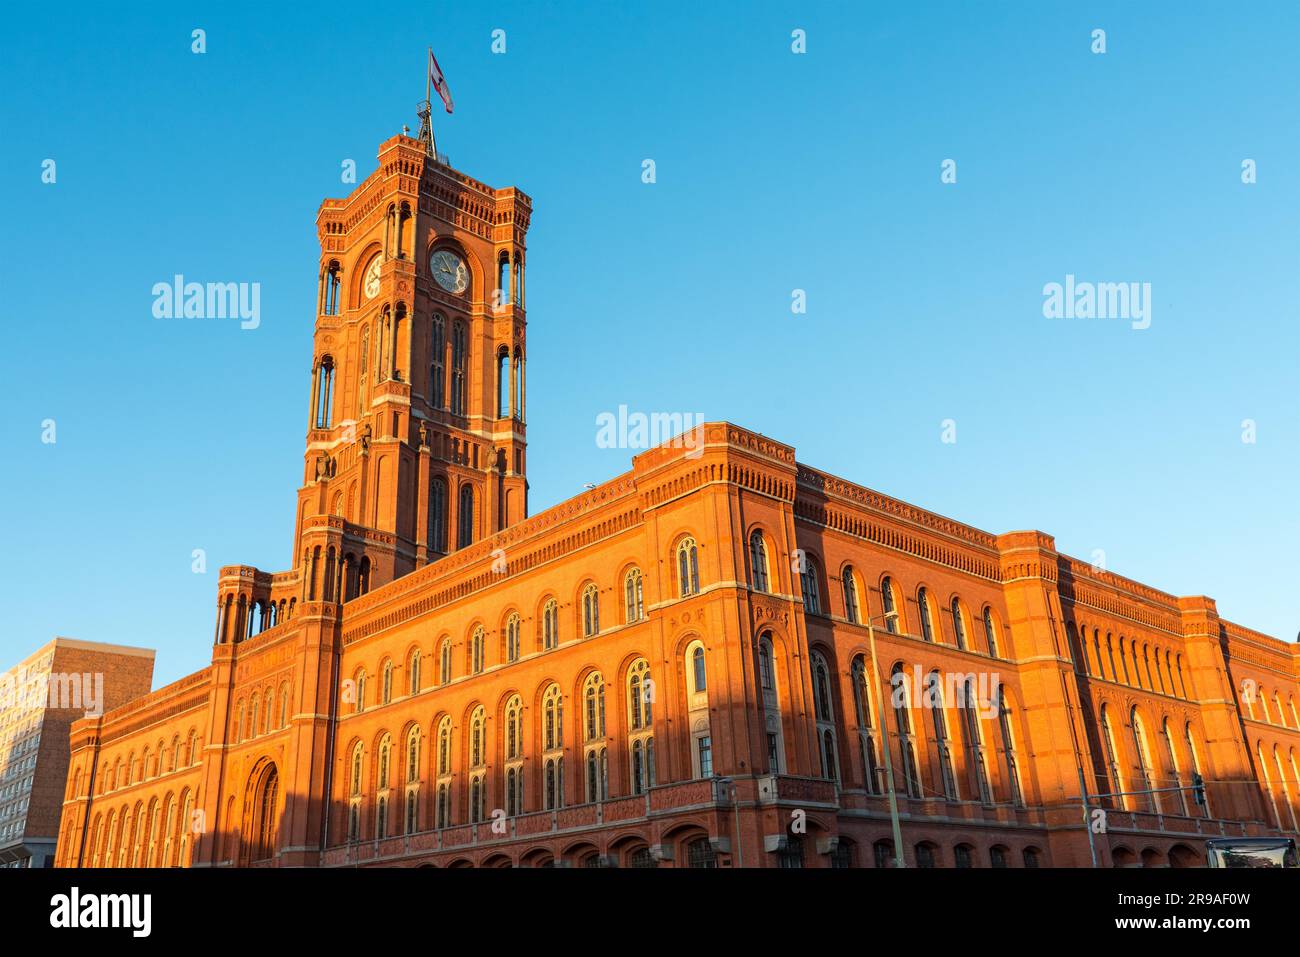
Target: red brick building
[{"x": 671, "y": 669}]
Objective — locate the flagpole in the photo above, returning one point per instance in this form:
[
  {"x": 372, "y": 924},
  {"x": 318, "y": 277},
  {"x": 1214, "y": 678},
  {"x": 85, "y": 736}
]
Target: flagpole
[{"x": 426, "y": 109}]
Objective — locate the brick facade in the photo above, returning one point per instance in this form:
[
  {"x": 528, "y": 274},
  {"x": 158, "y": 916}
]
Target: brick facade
[{"x": 701, "y": 620}]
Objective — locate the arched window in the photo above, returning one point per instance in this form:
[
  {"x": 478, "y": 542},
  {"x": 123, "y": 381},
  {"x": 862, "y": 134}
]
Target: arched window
[
  {"x": 1171, "y": 758},
  {"x": 990, "y": 633},
  {"x": 324, "y": 393},
  {"x": 476, "y": 651},
  {"x": 514, "y": 728},
  {"x": 386, "y": 690},
  {"x": 513, "y": 626},
  {"x": 1143, "y": 759},
  {"x": 935, "y": 702},
  {"x": 1009, "y": 748},
  {"x": 888, "y": 608},
  {"x": 413, "y": 756},
  {"x": 699, "y": 675},
  {"x": 553, "y": 719},
  {"x": 385, "y": 761},
  {"x": 438, "y": 514},
  {"x": 974, "y": 741},
  {"x": 551, "y": 625},
  {"x": 851, "y": 596},
  {"x": 1266, "y": 785},
  {"x": 958, "y": 624},
  {"x": 437, "y": 357},
  {"x": 688, "y": 567},
  {"x": 503, "y": 383},
  {"x": 413, "y": 672},
  {"x": 758, "y": 561},
  {"x": 771, "y": 704},
  {"x": 1116, "y": 784},
  {"x": 923, "y": 609},
  {"x": 444, "y": 747},
  {"x": 360, "y": 685},
  {"x": 812, "y": 599},
  {"x": 862, "y": 702},
  {"x": 903, "y": 722},
  {"x": 633, "y": 596},
  {"x": 1196, "y": 763},
  {"x": 697, "y": 706},
  {"x": 593, "y": 696},
  {"x": 553, "y": 747},
  {"x": 465, "y": 519},
  {"x": 514, "y": 756},
  {"x": 478, "y": 737},
  {"x": 444, "y": 662},
  {"x": 824, "y": 710},
  {"x": 640, "y": 708},
  {"x": 590, "y": 610}
]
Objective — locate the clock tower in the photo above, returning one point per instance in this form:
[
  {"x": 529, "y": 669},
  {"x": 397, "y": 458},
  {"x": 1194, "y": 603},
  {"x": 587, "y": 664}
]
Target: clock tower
[{"x": 416, "y": 444}]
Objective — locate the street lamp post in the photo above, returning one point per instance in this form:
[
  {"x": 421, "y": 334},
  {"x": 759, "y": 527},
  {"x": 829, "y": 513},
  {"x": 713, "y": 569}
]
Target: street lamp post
[
  {"x": 884, "y": 728},
  {"x": 735, "y": 803}
]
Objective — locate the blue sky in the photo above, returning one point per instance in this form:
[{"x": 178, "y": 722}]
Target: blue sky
[{"x": 775, "y": 172}]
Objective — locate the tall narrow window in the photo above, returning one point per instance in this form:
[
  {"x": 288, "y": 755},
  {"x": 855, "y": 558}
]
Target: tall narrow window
[
  {"x": 862, "y": 700},
  {"x": 503, "y": 383},
  {"x": 1171, "y": 758},
  {"x": 974, "y": 741},
  {"x": 1143, "y": 758},
  {"x": 887, "y": 606},
  {"x": 758, "y": 561},
  {"x": 824, "y": 711},
  {"x": 812, "y": 602},
  {"x": 465, "y": 519},
  {"x": 458, "y": 364},
  {"x": 324, "y": 392},
  {"x": 990, "y": 633},
  {"x": 1116, "y": 783},
  {"x": 437, "y": 369},
  {"x": 1009, "y": 748},
  {"x": 553, "y": 747},
  {"x": 935, "y": 701},
  {"x": 688, "y": 567},
  {"x": 640, "y": 706},
  {"x": 958, "y": 624},
  {"x": 444, "y": 662},
  {"x": 923, "y": 608},
  {"x": 851, "y": 596},
  {"x": 513, "y": 626},
  {"x": 633, "y": 596},
  {"x": 551, "y": 625},
  {"x": 772, "y": 722},
  {"x": 438, "y": 514},
  {"x": 903, "y": 722},
  {"x": 1196, "y": 764},
  {"x": 590, "y": 611},
  {"x": 476, "y": 651}
]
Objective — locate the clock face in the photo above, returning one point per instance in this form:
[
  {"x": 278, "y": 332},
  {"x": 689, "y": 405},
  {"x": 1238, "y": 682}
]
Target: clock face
[
  {"x": 449, "y": 270},
  {"x": 370, "y": 284}
]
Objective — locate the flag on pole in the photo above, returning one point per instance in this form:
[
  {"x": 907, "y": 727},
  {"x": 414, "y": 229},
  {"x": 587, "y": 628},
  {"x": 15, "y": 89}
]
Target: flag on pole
[{"x": 439, "y": 82}]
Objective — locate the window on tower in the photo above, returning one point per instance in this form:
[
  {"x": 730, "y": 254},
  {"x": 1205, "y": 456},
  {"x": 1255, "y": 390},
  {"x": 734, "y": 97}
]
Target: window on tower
[
  {"x": 503, "y": 383},
  {"x": 458, "y": 362},
  {"x": 465, "y": 519},
  {"x": 437, "y": 374}
]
